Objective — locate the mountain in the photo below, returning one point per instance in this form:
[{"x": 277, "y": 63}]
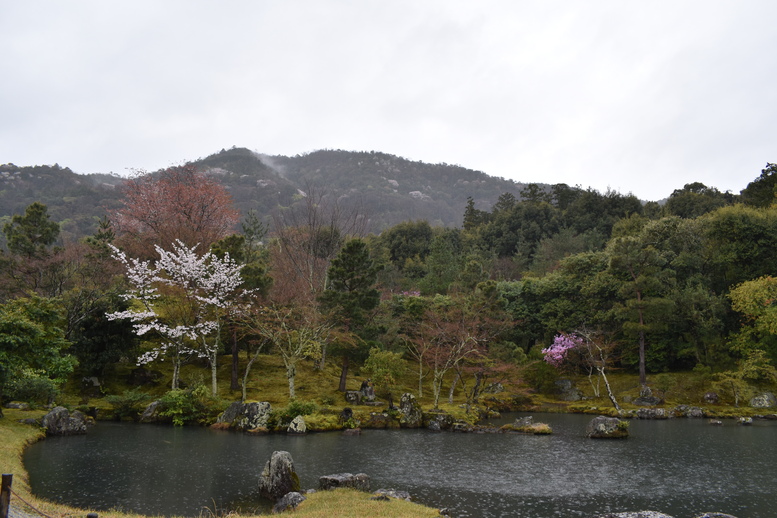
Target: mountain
[{"x": 390, "y": 189}]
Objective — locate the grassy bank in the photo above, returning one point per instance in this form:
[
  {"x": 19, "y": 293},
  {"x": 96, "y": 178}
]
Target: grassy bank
[{"x": 14, "y": 437}]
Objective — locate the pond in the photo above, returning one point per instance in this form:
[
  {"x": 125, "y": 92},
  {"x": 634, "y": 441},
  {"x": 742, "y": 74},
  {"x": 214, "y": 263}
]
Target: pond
[{"x": 680, "y": 467}]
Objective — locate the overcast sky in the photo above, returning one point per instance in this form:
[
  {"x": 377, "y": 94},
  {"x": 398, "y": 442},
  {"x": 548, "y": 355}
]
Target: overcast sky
[{"x": 636, "y": 96}]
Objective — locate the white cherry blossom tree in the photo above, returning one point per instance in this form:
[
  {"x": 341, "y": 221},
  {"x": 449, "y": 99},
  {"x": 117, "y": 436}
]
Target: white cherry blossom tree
[{"x": 183, "y": 297}]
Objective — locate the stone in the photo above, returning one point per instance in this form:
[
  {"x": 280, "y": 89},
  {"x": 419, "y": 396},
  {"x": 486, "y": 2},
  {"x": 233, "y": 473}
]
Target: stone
[
  {"x": 524, "y": 421},
  {"x": 246, "y": 416},
  {"x": 379, "y": 420},
  {"x": 61, "y": 422},
  {"x": 353, "y": 397},
  {"x": 715, "y": 515},
  {"x": 410, "y": 412},
  {"x": 438, "y": 420},
  {"x": 380, "y": 498},
  {"x": 30, "y": 421},
  {"x": 746, "y": 421},
  {"x": 646, "y": 398},
  {"x": 151, "y": 413},
  {"x": 765, "y": 400},
  {"x": 278, "y": 477},
  {"x": 352, "y": 431},
  {"x": 288, "y": 502},
  {"x": 568, "y": 391},
  {"x": 18, "y": 405},
  {"x": 688, "y": 411},
  {"x": 346, "y": 415},
  {"x": 393, "y": 493},
  {"x": 711, "y": 398},
  {"x": 367, "y": 391},
  {"x": 90, "y": 381},
  {"x": 360, "y": 481},
  {"x": 647, "y": 401},
  {"x": 652, "y": 413},
  {"x": 716, "y": 422},
  {"x": 603, "y": 427},
  {"x": 297, "y": 426},
  {"x": 463, "y": 427}
]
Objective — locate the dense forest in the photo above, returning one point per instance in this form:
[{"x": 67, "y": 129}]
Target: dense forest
[{"x": 181, "y": 268}]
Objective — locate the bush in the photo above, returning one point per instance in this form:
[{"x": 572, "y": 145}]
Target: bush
[
  {"x": 283, "y": 417},
  {"x": 128, "y": 405},
  {"x": 187, "y": 406},
  {"x": 33, "y": 390}
]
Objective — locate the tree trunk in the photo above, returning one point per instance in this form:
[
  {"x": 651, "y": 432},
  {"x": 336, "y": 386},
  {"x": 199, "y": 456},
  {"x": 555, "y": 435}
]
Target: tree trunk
[
  {"x": 420, "y": 378},
  {"x": 176, "y": 371},
  {"x": 453, "y": 387},
  {"x": 609, "y": 390},
  {"x": 250, "y": 363},
  {"x": 234, "y": 384},
  {"x": 214, "y": 384},
  {"x": 291, "y": 372},
  {"x": 476, "y": 388},
  {"x": 642, "y": 373},
  {"x": 343, "y": 374},
  {"x": 437, "y": 388},
  {"x": 322, "y": 362}
]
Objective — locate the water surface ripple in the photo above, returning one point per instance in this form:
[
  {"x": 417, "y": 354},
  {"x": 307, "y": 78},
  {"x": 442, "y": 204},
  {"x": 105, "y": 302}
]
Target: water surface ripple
[{"x": 681, "y": 467}]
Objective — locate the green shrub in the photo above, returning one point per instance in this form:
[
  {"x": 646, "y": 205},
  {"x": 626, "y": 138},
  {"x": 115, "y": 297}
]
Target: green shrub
[
  {"x": 33, "y": 390},
  {"x": 187, "y": 406},
  {"x": 128, "y": 405},
  {"x": 282, "y": 417}
]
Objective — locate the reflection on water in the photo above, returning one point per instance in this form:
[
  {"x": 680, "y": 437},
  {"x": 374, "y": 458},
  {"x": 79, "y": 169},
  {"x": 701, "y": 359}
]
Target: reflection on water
[{"x": 680, "y": 467}]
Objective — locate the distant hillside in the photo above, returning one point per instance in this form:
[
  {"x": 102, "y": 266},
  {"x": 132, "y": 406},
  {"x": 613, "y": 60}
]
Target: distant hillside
[{"x": 391, "y": 189}]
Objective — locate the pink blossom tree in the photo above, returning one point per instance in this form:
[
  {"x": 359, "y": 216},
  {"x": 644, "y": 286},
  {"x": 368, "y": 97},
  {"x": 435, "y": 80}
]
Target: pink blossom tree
[
  {"x": 557, "y": 352},
  {"x": 585, "y": 349}
]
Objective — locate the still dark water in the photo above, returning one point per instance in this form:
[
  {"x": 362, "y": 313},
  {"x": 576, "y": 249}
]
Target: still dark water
[{"x": 680, "y": 467}]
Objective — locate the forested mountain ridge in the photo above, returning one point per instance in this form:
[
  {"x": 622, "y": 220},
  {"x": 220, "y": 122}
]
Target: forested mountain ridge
[{"x": 391, "y": 188}]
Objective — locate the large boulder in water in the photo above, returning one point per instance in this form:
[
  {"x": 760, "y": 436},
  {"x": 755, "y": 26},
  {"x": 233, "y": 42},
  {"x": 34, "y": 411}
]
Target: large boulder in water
[
  {"x": 61, "y": 422},
  {"x": 603, "y": 427},
  {"x": 278, "y": 476},
  {"x": 151, "y": 413},
  {"x": 297, "y": 426}
]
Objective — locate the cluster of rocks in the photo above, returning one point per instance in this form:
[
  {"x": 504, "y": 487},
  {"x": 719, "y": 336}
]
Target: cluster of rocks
[
  {"x": 280, "y": 483},
  {"x": 364, "y": 396}
]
